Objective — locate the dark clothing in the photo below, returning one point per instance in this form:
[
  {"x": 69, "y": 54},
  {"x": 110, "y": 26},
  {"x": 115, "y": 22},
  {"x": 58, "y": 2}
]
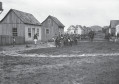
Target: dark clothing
[
  {"x": 35, "y": 36},
  {"x": 91, "y": 35},
  {"x": 57, "y": 42}
]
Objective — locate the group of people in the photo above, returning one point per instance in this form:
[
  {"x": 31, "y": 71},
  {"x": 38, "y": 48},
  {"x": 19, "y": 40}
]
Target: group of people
[
  {"x": 69, "y": 40},
  {"x": 63, "y": 39},
  {"x": 66, "y": 40}
]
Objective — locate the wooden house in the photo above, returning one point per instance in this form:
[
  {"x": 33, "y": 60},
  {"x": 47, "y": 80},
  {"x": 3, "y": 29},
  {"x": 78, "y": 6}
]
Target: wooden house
[
  {"x": 20, "y": 25},
  {"x": 51, "y": 27}
]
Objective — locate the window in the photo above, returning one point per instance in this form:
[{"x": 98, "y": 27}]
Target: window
[
  {"x": 14, "y": 31},
  {"x": 47, "y": 31},
  {"x": 37, "y": 32},
  {"x": 49, "y": 21},
  {"x": 29, "y": 32}
]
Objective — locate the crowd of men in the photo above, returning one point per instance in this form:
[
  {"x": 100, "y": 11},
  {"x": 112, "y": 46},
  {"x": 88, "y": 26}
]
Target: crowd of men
[
  {"x": 69, "y": 40},
  {"x": 66, "y": 40}
]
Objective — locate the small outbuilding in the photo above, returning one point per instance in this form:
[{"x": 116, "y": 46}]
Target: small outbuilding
[{"x": 51, "y": 27}]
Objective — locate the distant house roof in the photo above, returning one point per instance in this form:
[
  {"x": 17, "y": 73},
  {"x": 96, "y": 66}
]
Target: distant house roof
[
  {"x": 114, "y": 23},
  {"x": 72, "y": 27},
  {"x": 55, "y": 20},
  {"x": 79, "y": 26},
  {"x": 26, "y": 18}
]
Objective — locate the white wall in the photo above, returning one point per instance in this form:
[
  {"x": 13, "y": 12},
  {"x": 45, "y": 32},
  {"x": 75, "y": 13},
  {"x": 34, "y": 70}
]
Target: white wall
[
  {"x": 27, "y": 38},
  {"x": 117, "y": 30},
  {"x": 79, "y": 31},
  {"x": 110, "y": 30}
]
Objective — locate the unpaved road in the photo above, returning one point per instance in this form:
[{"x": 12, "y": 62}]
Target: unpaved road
[{"x": 73, "y": 70}]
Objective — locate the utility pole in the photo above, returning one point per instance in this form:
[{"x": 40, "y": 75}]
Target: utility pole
[{"x": 1, "y": 9}]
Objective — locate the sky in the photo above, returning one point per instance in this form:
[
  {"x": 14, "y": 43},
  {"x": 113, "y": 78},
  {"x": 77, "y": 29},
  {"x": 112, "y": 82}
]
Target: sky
[{"x": 69, "y": 12}]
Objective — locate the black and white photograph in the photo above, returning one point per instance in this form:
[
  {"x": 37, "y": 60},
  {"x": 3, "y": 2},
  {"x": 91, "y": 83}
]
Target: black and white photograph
[{"x": 59, "y": 41}]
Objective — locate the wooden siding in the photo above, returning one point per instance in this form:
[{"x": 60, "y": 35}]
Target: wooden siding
[
  {"x": 8, "y": 40},
  {"x": 11, "y": 18},
  {"x": 7, "y": 29},
  {"x": 9, "y": 22},
  {"x": 6, "y": 35},
  {"x": 53, "y": 29}
]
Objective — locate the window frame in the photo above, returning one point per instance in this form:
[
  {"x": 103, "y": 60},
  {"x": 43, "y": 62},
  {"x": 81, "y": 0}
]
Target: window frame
[
  {"x": 38, "y": 31},
  {"x": 47, "y": 32},
  {"x": 29, "y": 32},
  {"x": 14, "y": 31}
]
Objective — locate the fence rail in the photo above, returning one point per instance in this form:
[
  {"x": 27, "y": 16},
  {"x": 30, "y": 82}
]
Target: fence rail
[{"x": 8, "y": 40}]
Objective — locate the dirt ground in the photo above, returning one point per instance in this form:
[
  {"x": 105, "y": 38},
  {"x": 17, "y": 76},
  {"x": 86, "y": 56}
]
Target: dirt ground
[
  {"x": 63, "y": 70},
  {"x": 81, "y": 48}
]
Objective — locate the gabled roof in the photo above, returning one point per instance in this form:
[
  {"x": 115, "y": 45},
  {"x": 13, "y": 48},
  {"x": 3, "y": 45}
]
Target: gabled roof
[
  {"x": 79, "y": 26},
  {"x": 55, "y": 20},
  {"x": 114, "y": 23},
  {"x": 72, "y": 27},
  {"x": 26, "y": 18}
]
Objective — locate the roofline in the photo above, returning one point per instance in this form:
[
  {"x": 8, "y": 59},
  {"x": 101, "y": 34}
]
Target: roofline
[
  {"x": 53, "y": 20},
  {"x": 23, "y": 21},
  {"x": 44, "y": 20},
  {"x": 18, "y": 17},
  {"x": 114, "y": 20},
  {"x": 6, "y": 15},
  {"x": 32, "y": 24}
]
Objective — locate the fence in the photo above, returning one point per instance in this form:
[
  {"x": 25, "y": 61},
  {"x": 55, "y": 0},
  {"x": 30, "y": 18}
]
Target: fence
[{"x": 8, "y": 40}]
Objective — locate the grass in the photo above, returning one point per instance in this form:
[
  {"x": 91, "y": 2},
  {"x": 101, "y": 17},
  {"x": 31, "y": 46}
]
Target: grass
[
  {"x": 74, "y": 70},
  {"x": 63, "y": 70}
]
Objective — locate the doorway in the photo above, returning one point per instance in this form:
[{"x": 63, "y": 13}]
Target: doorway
[{"x": 33, "y": 32}]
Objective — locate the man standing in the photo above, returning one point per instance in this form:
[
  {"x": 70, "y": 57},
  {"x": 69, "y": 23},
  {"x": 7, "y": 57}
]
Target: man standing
[
  {"x": 91, "y": 35},
  {"x": 35, "y": 39}
]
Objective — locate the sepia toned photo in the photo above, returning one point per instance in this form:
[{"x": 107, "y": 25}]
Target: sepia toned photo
[{"x": 59, "y": 42}]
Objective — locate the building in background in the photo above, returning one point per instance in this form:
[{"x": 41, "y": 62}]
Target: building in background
[
  {"x": 78, "y": 29},
  {"x": 71, "y": 30},
  {"x": 114, "y": 27},
  {"x": 23, "y": 26},
  {"x": 51, "y": 27}
]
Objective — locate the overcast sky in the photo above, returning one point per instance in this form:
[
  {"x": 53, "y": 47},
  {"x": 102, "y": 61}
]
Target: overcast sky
[{"x": 69, "y": 12}]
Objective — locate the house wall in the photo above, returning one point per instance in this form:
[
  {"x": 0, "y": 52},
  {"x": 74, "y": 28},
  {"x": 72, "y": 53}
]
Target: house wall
[
  {"x": 52, "y": 27},
  {"x": 9, "y": 22},
  {"x": 6, "y": 36},
  {"x": 32, "y": 27},
  {"x": 71, "y": 31},
  {"x": 61, "y": 30},
  {"x": 6, "y": 29},
  {"x": 79, "y": 31}
]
